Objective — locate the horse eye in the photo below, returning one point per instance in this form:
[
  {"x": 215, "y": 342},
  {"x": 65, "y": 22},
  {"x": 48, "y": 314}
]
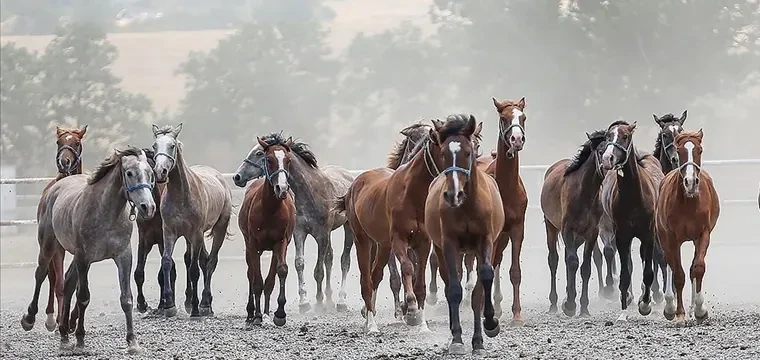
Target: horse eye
[
  {"x": 129, "y": 174},
  {"x": 171, "y": 146},
  {"x": 259, "y": 153}
]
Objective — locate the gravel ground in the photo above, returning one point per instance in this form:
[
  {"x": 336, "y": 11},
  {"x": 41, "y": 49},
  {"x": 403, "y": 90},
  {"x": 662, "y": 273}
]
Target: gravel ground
[{"x": 733, "y": 330}]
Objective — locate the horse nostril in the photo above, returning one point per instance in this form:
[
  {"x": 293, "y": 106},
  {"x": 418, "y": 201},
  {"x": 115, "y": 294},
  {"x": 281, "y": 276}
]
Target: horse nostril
[
  {"x": 512, "y": 138},
  {"x": 460, "y": 195},
  {"x": 522, "y": 138},
  {"x": 236, "y": 178},
  {"x": 144, "y": 207},
  {"x": 164, "y": 171}
]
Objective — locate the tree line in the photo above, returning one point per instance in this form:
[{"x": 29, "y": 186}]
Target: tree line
[{"x": 580, "y": 65}]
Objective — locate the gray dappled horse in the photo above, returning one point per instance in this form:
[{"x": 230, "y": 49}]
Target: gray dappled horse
[
  {"x": 66, "y": 218},
  {"x": 315, "y": 188},
  {"x": 196, "y": 200}
]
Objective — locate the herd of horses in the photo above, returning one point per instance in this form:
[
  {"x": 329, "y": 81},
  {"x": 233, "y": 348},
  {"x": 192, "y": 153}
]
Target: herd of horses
[{"x": 437, "y": 192}]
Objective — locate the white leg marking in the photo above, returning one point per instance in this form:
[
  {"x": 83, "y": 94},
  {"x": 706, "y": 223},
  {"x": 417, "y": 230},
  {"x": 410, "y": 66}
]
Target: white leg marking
[
  {"x": 282, "y": 179},
  {"x": 454, "y": 147},
  {"x": 670, "y": 306},
  {"x": 497, "y": 295},
  {"x": 423, "y": 325}
]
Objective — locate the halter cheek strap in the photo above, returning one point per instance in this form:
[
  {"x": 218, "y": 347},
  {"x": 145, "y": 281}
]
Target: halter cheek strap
[
  {"x": 428, "y": 156},
  {"x": 132, "y": 188},
  {"x": 172, "y": 158},
  {"x": 503, "y": 133},
  {"x": 626, "y": 151},
  {"x": 77, "y": 158},
  {"x": 455, "y": 168},
  {"x": 263, "y": 167}
]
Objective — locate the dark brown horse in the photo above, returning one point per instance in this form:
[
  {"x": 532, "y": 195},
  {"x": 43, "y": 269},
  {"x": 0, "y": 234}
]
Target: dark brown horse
[
  {"x": 506, "y": 170},
  {"x": 629, "y": 195},
  {"x": 68, "y": 160},
  {"x": 463, "y": 212},
  {"x": 267, "y": 220},
  {"x": 687, "y": 209},
  {"x": 385, "y": 210},
  {"x": 571, "y": 206}
]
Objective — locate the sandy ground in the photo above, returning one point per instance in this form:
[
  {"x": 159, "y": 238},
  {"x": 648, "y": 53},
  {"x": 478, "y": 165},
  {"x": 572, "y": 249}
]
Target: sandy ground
[{"x": 733, "y": 330}]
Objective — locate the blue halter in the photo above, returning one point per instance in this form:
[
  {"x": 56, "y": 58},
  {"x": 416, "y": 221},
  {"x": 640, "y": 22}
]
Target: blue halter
[
  {"x": 133, "y": 188},
  {"x": 455, "y": 168}
]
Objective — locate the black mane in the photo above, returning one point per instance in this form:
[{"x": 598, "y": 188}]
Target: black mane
[
  {"x": 396, "y": 157},
  {"x": 618, "y": 122},
  {"x": 299, "y": 148},
  {"x": 667, "y": 118},
  {"x": 111, "y": 161},
  {"x": 586, "y": 149},
  {"x": 455, "y": 125}
]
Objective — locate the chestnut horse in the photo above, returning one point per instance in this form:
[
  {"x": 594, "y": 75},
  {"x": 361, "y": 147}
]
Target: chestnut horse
[
  {"x": 385, "y": 210},
  {"x": 267, "y": 220},
  {"x": 687, "y": 209},
  {"x": 463, "y": 211},
  {"x": 629, "y": 195},
  {"x": 571, "y": 206},
  {"x": 68, "y": 160},
  {"x": 506, "y": 170}
]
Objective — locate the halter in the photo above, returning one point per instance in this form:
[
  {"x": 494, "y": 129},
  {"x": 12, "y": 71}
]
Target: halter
[
  {"x": 130, "y": 189},
  {"x": 626, "y": 151},
  {"x": 455, "y": 168},
  {"x": 172, "y": 158},
  {"x": 503, "y": 132},
  {"x": 263, "y": 167},
  {"x": 666, "y": 147},
  {"x": 77, "y": 156},
  {"x": 425, "y": 155},
  {"x": 683, "y": 166}
]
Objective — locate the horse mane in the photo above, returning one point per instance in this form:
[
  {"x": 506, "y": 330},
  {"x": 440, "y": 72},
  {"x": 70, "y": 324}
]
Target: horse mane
[
  {"x": 301, "y": 149},
  {"x": 163, "y": 130},
  {"x": 150, "y": 154},
  {"x": 111, "y": 161},
  {"x": 396, "y": 156},
  {"x": 585, "y": 151},
  {"x": 618, "y": 122},
  {"x": 455, "y": 125},
  {"x": 657, "y": 147}
]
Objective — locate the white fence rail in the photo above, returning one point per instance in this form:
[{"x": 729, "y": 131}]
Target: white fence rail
[{"x": 531, "y": 168}]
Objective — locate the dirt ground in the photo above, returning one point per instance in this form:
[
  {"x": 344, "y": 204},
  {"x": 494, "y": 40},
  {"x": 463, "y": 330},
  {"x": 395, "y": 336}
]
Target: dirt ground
[{"x": 733, "y": 330}]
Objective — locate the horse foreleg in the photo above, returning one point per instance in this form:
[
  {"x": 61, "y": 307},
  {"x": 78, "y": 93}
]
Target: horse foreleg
[
  {"x": 659, "y": 265},
  {"x": 269, "y": 284},
  {"x": 83, "y": 295},
  {"x": 517, "y": 234},
  {"x": 280, "y": 255},
  {"x": 299, "y": 236},
  {"x": 432, "y": 297},
  {"x": 697, "y": 273},
  {"x": 571, "y": 270},
  {"x": 255, "y": 283},
  {"x": 196, "y": 246},
  {"x": 345, "y": 266},
  {"x": 647, "y": 250},
  {"x": 219, "y": 232},
  {"x": 501, "y": 244},
  {"x": 142, "y": 255},
  {"x": 319, "y": 267},
  {"x": 43, "y": 264},
  {"x": 598, "y": 260},
  {"x": 623, "y": 241},
  {"x": 486, "y": 277},
  {"x": 124, "y": 267},
  {"x": 590, "y": 244},
  {"x": 553, "y": 260},
  {"x": 670, "y": 249},
  {"x": 411, "y": 316},
  {"x": 167, "y": 264},
  {"x": 420, "y": 292},
  {"x": 453, "y": 296},
  {"x": 395, "y": 284}
]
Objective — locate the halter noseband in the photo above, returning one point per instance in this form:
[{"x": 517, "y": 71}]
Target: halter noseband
[
  {"x": 263, "y": 167},
  {"x": 77, "y": 156},
  {"x": 626, "y": 151},
  {"x": 172, "y": 158},
  {"x": 503, "y": 133},
  {"x": 132, "y": 188},
  {"x": 455, "y": 168}
]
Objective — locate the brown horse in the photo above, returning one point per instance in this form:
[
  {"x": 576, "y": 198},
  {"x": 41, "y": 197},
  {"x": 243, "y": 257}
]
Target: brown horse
[
  {"x": 571, "y": 206},
  {"x": 68, "y": 159},
  {"x": 267, "y": 220},
  {"x": 385, "y": 210},
  {"x": 687, "y": 209},
  {"x": 463, "y": 211},
  {"x": 506, "y": 170}
]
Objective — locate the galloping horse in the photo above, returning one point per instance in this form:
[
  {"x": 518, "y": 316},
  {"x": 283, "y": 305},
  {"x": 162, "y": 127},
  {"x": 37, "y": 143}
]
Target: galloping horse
[
  {"x": 629, "y": 194},
  {"x": 196, "y": 200},
  {"x": 687, "y": 209},
  {"x": 506, "y": 170},
  {"x": 150, "y": 233},
  {"x": 463, "y": 211},
  {"x": 267, "y": 220},
  {"x": 315, "y": 189},
  {"x": 385, "y": 209},
  {"x": 65, "y": 219},
  {"x": 571, "y": 206},
  {"x": 68, "y": 160}
]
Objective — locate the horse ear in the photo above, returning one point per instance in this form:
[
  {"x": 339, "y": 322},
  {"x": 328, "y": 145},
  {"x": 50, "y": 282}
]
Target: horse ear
[
  {"x": 155, "y": 130},
  {"x": 478, "y": 129},
  {"x": 289, "y": 142},
  {"x": 59, "y": 131},
  {"x": 521, "y": 103},
  {"x": 407, "y": 131},
  {"x": 82, "y": 131},
  {"x": 177, "y": 130},
  {"x": 498, "y": 104},
  {"x": 261, "y": 143},
  {"x": 683, "y": 117},
  {"x": 657, "y": 120},
  {"x": 434, "y": 136},
  {"x": 632, "y": 127},
  {"x": 700, "y": 134},
  {"x": 437, "y": 124},
  {"x": 588, "y": 136},
  {"x": 472, "y": 125}
]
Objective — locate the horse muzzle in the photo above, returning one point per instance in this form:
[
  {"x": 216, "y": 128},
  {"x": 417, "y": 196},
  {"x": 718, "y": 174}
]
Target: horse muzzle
[{"x": 146, "y": 210}]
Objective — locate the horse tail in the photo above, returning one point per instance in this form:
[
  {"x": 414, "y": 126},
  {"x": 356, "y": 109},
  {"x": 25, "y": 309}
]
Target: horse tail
[{"x": 340, "y": 205}]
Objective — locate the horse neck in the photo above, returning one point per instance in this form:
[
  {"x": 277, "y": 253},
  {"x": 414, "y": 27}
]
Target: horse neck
[
  {"x": 591, "y": 178},
  {"x": 631, "y": 181},
  {"x": 269, "y": 202},
  {"x": 420, "y": 168},
  {"x": 179, "y": 178},
  {"x": 303, "y": 179},
  {"x": 665, "y": 164},
  {"x": 108, "y": 194},
  {"x": 507, "y": 170}
]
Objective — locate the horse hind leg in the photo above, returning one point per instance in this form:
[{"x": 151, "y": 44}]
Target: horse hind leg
[
  {"x": 142, "y": 255},
  {"x": 83, "y": 296},
  {"x": 609, "y": 249},
  {"x": 598, "y": 262},
  {"x": 345, "y": 266},
  {"x": 219, "y": 232},
  {"x": 395, "y": 284},
  {"x": 56, "y": 288},
  {"x": 412, "y": 316},
  {"x": 420, "y": 292},
  {"x": 552, "y": 236},
  {"x": 69, "y": 285},
  {"x": 660, "y": 266},
  {"x": 43, "y": 267},
  {"x": 364, "y": 261},
  {"x": 468, "y": 261},
  {"x": 319, "y": 268},
  {"x": 328, "y": 263},
  {"x": 124, "y": 267},
  {"x": 299, "y": 237},
  {"x": 697, "y": 273},
  {"x": 432, "y": 297}
]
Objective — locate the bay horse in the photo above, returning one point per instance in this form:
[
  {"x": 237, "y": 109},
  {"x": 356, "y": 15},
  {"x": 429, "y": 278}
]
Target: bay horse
[
  {"x": 506, "y": 170},
  {"x": 151, "y": 233},
  {"x": 463, "y": 212},
  {"x": 267, "y": 219},
  {"x": 385, "y": 210},
  {"x": 65, "y": 219},
  {"x": 687, "y": 209},
  {"x": 315, "y": 189},
  {"x": 629, "y": 194},
  {"x": 68, "y": 160},
  {"x": 571, "y": 206},
  {"x": 196, "y": 200}
]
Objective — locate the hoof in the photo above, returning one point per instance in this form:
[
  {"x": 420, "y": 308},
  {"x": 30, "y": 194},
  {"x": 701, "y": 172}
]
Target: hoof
[
  {"x": 304, "y": 307},
  {"x": 608, "y": 293},
  {"x": 658, "y": 297},
  {"x": 701, "y": 318},
  {"x": 26, "y": 325},
  {"x": 373, "y": 331},
  {"x": 188, "y": 307},
  {"x": 497, "y": 313},
  {"x": 279, "y": 321},
  {"x": 398, "y": 314},
  {"x": 680, "y": 321},
  {"x": 552, "y": 308},
  {"x": 669, "y": 315},
  {"x": 364, "y": 312},
  {"x": 457, "y": 349},
  {"x": 492, "y": 332},
  {"x": 629, "y": 300},
  {"x": 341, "y": 307},
  {"x": 170, "y": 312},
  {"x": 206, "y": 311},
  {"x": 142, "y": 307},
  {"x": 432, "y": 298},
  {"x": 413, "y": 319},
  {"x": 584, "y": 313},
  {"x": 251, "y": 322},
  {"x": 568, "y": 312},
  {"x": 645, "y": 308},
  {"x": 517, "y": 322},
  {"x": 134, "y": 349},
  {"x": 65, "y": 346},
  {"x": 50, "y": 323},
  {"x": 478, "y": 352}
]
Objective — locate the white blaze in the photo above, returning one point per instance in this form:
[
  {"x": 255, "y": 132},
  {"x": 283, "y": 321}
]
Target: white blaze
[
  {"x": 675, "y": 129},
  {"x": 516, "y": 131},
  {"x": 68, "y": 137},
  {"x": 282, "y": 180},
  {"x": 690, "y": 159},
  {"x": 454, "y": 147},
  {"x": 610, "y": 147}
]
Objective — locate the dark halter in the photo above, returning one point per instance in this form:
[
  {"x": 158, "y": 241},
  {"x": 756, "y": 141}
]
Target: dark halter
[{"x": 77, "y": 160}]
